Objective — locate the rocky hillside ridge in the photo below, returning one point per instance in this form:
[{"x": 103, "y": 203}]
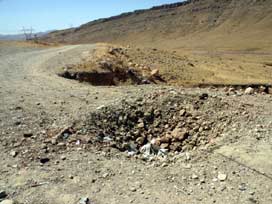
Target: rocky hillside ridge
[{"x": 226, "y": 23}]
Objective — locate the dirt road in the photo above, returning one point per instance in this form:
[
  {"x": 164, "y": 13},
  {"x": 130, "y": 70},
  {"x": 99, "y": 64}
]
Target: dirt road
[{"x": 34, "y": 101}]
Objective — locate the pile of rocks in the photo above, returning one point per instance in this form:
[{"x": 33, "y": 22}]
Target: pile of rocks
[{"x": 168, "y": 120}]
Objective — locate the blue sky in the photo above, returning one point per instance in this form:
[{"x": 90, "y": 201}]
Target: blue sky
[{"x": 45, "y": 15}]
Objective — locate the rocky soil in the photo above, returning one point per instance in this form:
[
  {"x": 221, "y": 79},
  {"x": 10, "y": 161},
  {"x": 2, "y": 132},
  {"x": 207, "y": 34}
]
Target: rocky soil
[
  {"x": 110, "y": 66},
  {"x": 173, "y": 121},
  {"x": 68, "y": 142}
]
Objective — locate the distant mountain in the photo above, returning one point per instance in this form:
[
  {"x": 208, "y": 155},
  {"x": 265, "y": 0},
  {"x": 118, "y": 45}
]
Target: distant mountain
[
  {"x": 12, "y": 37},
  {"x": 231, "y": 24},
  {"x": 21, "y": 36}
]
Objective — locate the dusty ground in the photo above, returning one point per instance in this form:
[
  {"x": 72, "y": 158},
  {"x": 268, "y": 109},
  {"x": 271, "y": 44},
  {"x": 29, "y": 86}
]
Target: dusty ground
[
  {"x": 36, "y": 103},
  {"x": 193, "y": 66}
]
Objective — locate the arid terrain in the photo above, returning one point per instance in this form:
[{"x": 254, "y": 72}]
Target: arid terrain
[
  {"x": 50, "y": 152},
  {"x": 243, "y": 25},
  {"x": 190, "y": 42},
  {"x": 139, "y": 109}
]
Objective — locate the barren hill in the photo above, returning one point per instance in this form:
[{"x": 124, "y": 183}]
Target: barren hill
[{"x": 221, "y": 24}]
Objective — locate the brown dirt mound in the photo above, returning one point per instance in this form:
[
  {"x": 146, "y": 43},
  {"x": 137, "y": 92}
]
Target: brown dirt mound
[{"x": 110, "y": 66}]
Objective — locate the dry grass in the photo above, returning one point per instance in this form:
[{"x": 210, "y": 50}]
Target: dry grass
[{"x": 188, "y": 68}]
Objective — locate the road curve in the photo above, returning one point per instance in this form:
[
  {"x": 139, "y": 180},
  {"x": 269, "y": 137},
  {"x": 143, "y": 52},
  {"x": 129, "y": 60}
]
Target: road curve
[{"x": 29, "y": 78}]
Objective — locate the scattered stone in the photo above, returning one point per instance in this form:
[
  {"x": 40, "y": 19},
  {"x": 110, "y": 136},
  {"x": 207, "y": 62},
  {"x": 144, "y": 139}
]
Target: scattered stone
[
  {"x": 222, "y": 188},
  {"x": 100, "y": 107},
  {"x": 231, "y": 89},
  {"x": 202, "y": 180},
  {"x": 18, "y": 108},
  {"x": 263, "y": 90},
  {"x": 28, "y": 134},
  {"x": 84, "y": 200},
  {"x": 154, "y": 73},
  {"x": 13, "y": 153},
  {"x": 251, "y": 192},
  {"x": 179, "y": 134},
  {"x": 191, "y": 64},
  {"x": 105, "y": 175},
  {"x": 54, "y": 141},
  {"x": 249, "y": 91},
  {"x": 194, "y": 176},
  {"x": 65, "y": 133},
  {"x": 242, "y": 187},
  {"x": 133, "y": 189},
  {"x": 164, "y": 145},
  {"x": 222, "y": 177},
  {"x": 141, "y": 125},
  {"x": 7, "y": 202},
  {"x": 17, "y": 123},
  {"x": 3, "y": 194},
  {"x": 63, "y": 157},
  {"x": 187, "y": 166},
  {"x": 44, "y": 160},
  {"x": 203, "y": 96},
  {"x": 270, "y": 90},
  {"x": 252, "y": 200},
  {"x": 187, "y": 156},
  {"x": 182, "y": 112},
  {"x": 214, "y": 179}
]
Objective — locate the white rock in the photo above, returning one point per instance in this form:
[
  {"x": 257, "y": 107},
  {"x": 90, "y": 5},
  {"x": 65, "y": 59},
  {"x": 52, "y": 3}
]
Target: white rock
[
  {"x": 194, "y": 176},
  {"x": 7, "y": 202},
  {"x": 100, "y": 107},
  {"x": 249, "y": 91},
  {"x": 84, "y": 200},
  {"x": 13, "y": 153},
  {"x": 231, "y": 89},
  {"x": 222, "y": 177}
]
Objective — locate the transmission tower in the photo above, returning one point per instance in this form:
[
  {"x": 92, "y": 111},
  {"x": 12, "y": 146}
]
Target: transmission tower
[{"x": 28, "y": 32}]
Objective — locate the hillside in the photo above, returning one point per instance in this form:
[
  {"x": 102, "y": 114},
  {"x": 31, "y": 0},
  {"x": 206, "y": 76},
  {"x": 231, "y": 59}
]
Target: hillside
[{"x": 224, "y": 24}]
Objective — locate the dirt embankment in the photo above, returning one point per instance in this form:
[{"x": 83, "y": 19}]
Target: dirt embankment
[
  {"x": 111, "y": 65},
  {"x": 116, "y": 65}
]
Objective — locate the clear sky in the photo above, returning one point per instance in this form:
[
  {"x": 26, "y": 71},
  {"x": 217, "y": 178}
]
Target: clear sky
[{"x": 44, "y": 15}]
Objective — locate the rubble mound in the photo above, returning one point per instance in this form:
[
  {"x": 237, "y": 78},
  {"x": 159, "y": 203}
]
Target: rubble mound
[
  {"x": 111, "y": 66},
  {"x": 168, "y": 120}
]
